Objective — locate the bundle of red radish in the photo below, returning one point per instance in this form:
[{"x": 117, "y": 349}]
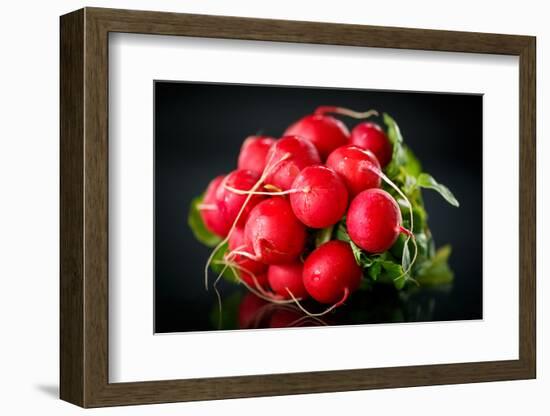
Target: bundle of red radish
[{"x": 321, "y": 212}]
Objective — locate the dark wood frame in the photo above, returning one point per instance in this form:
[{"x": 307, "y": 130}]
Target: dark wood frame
[{"x": 84, "y": 207}]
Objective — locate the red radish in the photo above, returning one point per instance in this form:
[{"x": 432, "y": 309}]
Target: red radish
[
  {"x": 283, "y": 278},
  {"x": 252, "y": 272},
  {"x": 319, "y": 197},
  {"x": 253, "y": 153},
  {"x": 371, "y": 137},
  {"x": 230, "y": 202},
  {"x": 325, "y": 132},
  {"x": 331, "y": 273},
  {"x": 287, "y": 157},
  {"x": 250, "y": 311},
  {"x": 374, "y": 220},
  {"x": 210, "y": 212},
  {"x": 358, "y": 168},
  {"x": 274, "y": 232}
]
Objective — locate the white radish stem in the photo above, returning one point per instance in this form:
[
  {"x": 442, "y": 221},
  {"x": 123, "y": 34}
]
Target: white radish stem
[
  {"x": 313, "y": 315},
  {"x": 346, "y": 112}
]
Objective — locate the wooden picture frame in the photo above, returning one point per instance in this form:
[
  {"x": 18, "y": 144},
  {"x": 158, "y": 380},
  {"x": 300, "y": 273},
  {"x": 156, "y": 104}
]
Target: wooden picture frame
[{"x": 84, "y": 207}]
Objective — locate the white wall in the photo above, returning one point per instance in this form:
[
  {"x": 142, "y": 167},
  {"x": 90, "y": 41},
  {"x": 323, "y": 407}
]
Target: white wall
[{"x": 29, "y": 206}]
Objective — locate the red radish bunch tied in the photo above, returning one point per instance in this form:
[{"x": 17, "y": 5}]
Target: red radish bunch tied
[{"x": 320, "y": 212}]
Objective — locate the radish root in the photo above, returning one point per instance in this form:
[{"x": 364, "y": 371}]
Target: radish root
[{"x": 313, "y": 315}]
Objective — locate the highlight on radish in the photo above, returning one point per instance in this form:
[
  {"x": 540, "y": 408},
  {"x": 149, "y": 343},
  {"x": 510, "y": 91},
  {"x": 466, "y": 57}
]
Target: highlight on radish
[{"x": 319, "y": 216}]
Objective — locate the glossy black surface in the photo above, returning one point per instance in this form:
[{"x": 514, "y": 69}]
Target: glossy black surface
[{"x": 199, "y": 129}]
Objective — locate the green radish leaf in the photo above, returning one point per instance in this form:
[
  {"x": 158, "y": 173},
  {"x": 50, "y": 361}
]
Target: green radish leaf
[
  {"x": 391, "y": 269},
  {"x": 360, "y": 256},
  {"x": 375, "y": 270},
  {"x": 218, "y": 264},
  {"x": 404, "y": 162},
  {"x": 324, "y": 235},
  {"x": 398, "y": 153},
  {"x": 394, "y": 134},
  {"x": 436, "y": 271},
  {"x": 196, "y": 224},
  {"x": 413, "y": 166},
  {"x": 410, "y": 184},
  {"x": 399, "y": 283},
  {"x": 422, "y": 241},
  {"x": 342, "y": 233},
  {"x": 394, "y": 272},
  {"x": 427, "y": 181}
]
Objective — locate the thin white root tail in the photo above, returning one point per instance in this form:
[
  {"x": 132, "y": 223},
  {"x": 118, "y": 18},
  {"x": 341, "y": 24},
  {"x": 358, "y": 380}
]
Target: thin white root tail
[
  {"x": 242, "y": 253},
  {"x": 274, "y": 193},
  {"x": 314, "y": 315}
]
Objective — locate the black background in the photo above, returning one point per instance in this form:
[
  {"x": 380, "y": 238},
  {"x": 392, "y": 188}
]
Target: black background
[{"x": 199, "y": 129}]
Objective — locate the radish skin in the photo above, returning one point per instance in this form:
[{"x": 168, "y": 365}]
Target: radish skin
[
  {"x": 325, "y": 132},
  {"x": 274, "y": 233},
  {"x": 287, "y": 277},
  {"x": 297, "y": 152},
  {"x": 374, "y": 220},
  {"x": 210, "y": 213},
  {"x": 270, "y": 165},
  {"x": 331, "y": 273},
  {"x": 358, "y": 168},
  {"x": 370, "y": 136},
  {"x": 253, "y": 153},
  {"x": 230, "y": 203},
  {"x": 319, "y": 198}
]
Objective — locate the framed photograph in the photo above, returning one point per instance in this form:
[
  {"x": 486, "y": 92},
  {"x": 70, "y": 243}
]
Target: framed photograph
[{"x": 256, "y": 207}]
